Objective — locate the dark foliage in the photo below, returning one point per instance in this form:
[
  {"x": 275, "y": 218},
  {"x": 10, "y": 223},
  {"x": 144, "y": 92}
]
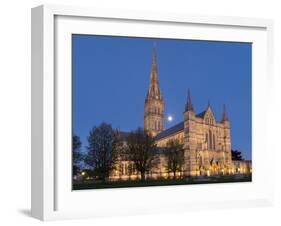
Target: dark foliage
[
  {"x": 236, "y": 155},
  {"x": 104, "y": 149},
  {"x": 76, "y": 153},
  {"x": 101, "y": 154},
  {"x": 175, "y": 156},
  {"x": 141, "y": 151}
]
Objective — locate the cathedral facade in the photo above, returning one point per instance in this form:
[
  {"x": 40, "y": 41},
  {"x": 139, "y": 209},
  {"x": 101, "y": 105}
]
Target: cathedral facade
[{"x": 206, "y": 140}]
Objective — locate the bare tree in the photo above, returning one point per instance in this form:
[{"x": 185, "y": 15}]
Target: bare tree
[
  {"x": 118, "y": 151},
  {"x": 141, "y": 151},
  {"x": 175, "y": 156}
]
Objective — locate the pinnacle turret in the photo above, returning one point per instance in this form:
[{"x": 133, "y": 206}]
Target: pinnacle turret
[
  {"x": 188, "y": 105},
  {"x": 224, "y": 115}
]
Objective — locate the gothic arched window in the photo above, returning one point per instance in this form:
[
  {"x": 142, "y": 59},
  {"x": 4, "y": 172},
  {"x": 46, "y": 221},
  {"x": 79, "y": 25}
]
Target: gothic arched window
[
  {"x": 209, "y": 120},
  {"x": 214, "y": 142},
  {"x": 210, "y": 139}
]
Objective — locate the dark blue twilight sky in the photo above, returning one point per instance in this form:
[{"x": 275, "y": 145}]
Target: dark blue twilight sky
[{"x": 111, "y": 78}]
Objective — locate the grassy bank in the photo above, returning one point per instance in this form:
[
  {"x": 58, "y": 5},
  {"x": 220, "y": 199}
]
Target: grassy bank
[{"x": 92, "y": 184}]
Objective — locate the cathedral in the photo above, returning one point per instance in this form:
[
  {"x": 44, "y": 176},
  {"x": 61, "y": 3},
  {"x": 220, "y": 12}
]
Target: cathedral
[{"x": 206, "y": 140}]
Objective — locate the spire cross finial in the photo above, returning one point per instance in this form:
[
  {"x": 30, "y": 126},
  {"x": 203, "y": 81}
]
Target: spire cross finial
[
  {"x": 154, "y": 54},
  {"x": 189, "y": 97}
]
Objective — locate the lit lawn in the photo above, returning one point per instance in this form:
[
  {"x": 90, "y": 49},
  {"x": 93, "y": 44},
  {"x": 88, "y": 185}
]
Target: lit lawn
[{"x": 91, "y": 184}]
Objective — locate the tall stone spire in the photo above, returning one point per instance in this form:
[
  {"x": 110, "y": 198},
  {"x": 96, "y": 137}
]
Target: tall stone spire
[
  {"x": 224, "y": 115},
  {"x": 154, "y": 103},
  {"x": 188, "y": 105},
  {"x": 154, "y": 90}
]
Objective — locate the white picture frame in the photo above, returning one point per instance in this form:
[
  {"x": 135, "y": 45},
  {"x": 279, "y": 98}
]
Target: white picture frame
[{"x": 52, "y": 197}]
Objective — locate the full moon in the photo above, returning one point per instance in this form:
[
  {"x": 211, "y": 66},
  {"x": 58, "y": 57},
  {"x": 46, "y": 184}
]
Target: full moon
[{"x": 170, "y": 118}]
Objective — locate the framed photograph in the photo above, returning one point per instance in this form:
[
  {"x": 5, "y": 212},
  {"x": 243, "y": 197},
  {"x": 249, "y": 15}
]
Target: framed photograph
[{"x": 137, "y": 112}]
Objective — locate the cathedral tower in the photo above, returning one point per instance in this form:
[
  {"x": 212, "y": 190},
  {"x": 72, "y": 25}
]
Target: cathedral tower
[
  {"x": 190, "y": 139},
  {"x": 226, "y": 138},
  {"x": 154, "y": 103}
]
